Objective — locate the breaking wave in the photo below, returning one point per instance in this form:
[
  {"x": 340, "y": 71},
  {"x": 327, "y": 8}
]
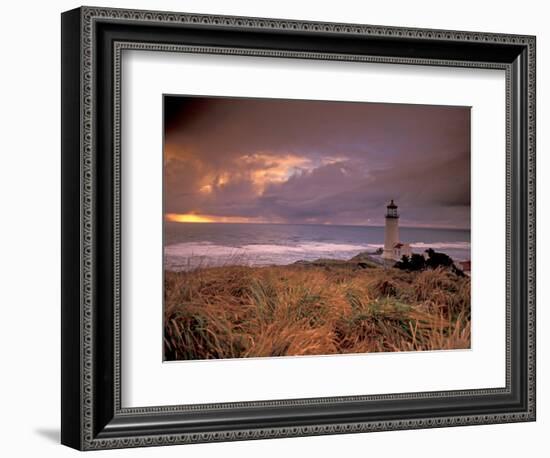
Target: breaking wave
[{"x": 190, "y": 255}]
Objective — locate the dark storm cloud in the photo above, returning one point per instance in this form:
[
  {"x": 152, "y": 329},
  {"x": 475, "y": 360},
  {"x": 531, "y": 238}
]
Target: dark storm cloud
[{"x": 319, "y": 162}]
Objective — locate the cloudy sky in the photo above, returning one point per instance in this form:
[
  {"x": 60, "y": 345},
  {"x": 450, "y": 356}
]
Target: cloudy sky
[{"x": 294, "y": 161}]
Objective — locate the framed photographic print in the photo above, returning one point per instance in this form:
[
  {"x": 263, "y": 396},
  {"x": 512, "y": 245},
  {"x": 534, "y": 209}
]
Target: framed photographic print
[{"x": 277, "y": 228}]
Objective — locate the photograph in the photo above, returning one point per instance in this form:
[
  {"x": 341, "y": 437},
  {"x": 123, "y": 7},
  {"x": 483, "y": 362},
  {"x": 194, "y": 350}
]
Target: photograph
[{"x": 308, "y": 227}]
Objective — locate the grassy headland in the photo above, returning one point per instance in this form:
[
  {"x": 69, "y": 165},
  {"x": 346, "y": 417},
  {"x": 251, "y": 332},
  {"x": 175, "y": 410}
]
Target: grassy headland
[{"x": 313, "y": 308}]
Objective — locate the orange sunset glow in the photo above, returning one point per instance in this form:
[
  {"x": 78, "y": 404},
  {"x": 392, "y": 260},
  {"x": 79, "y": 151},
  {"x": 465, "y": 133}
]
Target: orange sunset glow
[
  {"x": 187, "y": 218},
  {"x": 194, "y": 218}
]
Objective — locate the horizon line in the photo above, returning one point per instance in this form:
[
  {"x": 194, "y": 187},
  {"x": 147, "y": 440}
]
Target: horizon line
[{"x": 318, "y": 224}]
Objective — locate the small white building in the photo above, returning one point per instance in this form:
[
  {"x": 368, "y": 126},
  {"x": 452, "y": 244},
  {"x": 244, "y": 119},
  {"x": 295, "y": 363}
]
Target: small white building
[
  {"x": 393, "y": 248},
  {"x": 401, "y": 249}
]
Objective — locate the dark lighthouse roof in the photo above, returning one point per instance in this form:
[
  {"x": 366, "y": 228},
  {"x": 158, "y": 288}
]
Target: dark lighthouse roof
[{"x": 392, "y": 205}]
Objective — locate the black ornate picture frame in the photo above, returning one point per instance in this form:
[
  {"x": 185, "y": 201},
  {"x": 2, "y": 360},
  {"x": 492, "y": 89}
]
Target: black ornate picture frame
[{"x": 92, "y": 42}]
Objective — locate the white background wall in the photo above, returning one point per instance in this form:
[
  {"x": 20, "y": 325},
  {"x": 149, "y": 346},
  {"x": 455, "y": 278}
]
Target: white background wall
[{"x": 30, "y": 214}]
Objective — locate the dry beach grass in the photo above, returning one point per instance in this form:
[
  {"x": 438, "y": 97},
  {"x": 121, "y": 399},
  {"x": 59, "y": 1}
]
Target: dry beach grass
[{"x": 313, "y": 309}]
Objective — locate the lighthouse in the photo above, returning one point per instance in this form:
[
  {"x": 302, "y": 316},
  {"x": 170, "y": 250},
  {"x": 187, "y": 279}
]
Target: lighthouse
[
  {"x": 391, "y": 231},
  {"x": 393, "y": 248}
]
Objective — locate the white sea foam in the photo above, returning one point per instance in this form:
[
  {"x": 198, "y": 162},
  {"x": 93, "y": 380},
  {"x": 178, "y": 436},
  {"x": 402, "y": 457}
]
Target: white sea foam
[
  {"x": 206, "y": 248},
  {"x": 442, "y": 245},
  {"x": 189, "y": 255},
  {"x": 200, "y": 254}
]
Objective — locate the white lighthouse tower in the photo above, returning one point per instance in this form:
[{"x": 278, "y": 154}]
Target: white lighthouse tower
[
  {"x": 393, "y": 248},
  {"x": 391, "y": 231}
]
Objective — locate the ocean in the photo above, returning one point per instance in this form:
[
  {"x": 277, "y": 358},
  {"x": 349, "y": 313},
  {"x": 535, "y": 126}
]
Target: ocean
[{"x": 192, "y": 245}]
